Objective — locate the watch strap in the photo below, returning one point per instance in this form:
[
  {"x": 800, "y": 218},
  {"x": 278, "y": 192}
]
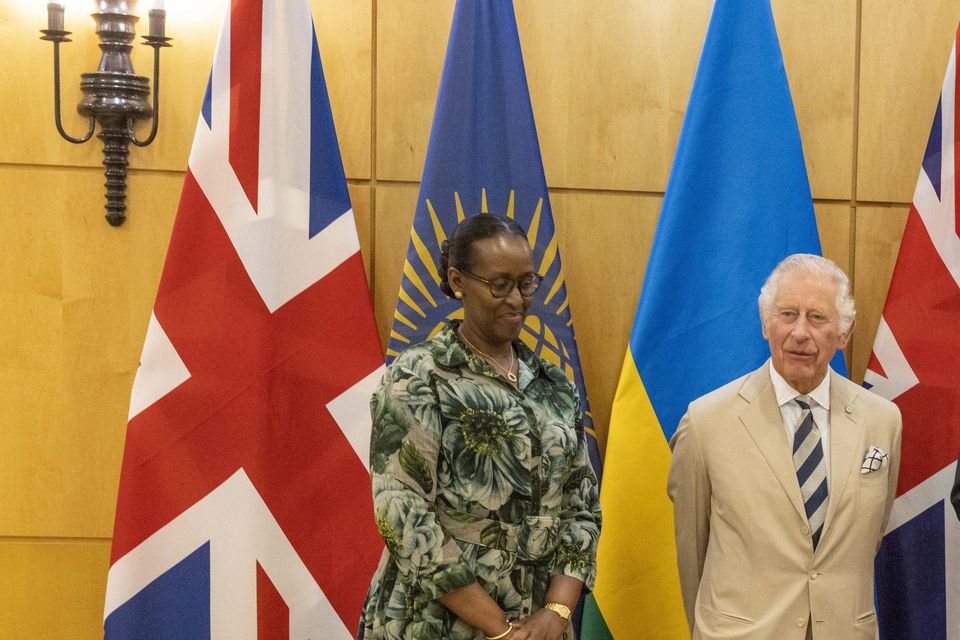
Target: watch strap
[{"x": 561, "y": 610}]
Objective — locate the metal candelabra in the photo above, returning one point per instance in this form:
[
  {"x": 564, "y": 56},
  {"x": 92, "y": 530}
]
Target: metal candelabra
[{"x": 113, "y": 95}]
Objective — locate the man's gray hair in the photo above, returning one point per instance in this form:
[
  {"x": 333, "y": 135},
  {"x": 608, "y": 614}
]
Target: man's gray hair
[{"x": 815, "y": 265}]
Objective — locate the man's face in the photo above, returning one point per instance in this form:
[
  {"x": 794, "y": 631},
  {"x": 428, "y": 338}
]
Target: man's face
[{"x": 803, "y": 329}]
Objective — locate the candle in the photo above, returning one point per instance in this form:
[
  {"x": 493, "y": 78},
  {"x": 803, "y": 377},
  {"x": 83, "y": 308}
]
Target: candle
[
  {"x": 157, "y": 19},
  {"x": 55, "y": 16}
]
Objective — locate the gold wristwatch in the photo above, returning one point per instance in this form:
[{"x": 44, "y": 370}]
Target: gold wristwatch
[{"x": 561, "y": 610}]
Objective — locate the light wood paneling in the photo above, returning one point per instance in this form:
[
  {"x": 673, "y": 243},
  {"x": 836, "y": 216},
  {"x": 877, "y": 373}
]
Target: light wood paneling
[
  {"x": 77, "y": 295},
  {"x": 616, "y": 90},
  {"x": 818, "y": 40},
  {"x": 609, "y": 92},
  {"x": 53, "y": 590},
  {"x": 904, "y": 49},
  {"x": 604, "y": 242},
  {"x": 879, "y": 230},
  {"x": 363, "y": 215},
  {"x": 833, "y": 223},
  {"x": 346, "y": 48},
  {"x": 411, "y": 42},
  {"x": 394, "y": 217}
]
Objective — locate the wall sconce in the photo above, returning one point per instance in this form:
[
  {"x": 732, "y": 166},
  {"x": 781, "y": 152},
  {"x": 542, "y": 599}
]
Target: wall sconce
[{"x": 113, "y": 95}]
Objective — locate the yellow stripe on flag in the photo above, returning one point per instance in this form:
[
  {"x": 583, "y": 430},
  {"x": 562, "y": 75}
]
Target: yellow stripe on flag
[
  {"x": 414, "y": 277},
  {"x": 638, "y": 587},
  {"x": 410, "y": 303},
  {"x": 534, "y": 227},
  {"x": 437, "y": 227},
  {"x": 549, "y": 255},
  {"x": 425, "y": 256}
]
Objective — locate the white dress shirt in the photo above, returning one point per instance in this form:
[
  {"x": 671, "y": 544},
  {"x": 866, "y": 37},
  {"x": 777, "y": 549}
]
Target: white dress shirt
[{"x": 791, "y": 412}]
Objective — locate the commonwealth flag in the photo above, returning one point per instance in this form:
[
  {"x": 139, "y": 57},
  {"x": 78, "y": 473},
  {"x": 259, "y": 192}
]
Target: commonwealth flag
[
  {"x": 484, "y": 157},
  {"x": 737, "y": 202}
]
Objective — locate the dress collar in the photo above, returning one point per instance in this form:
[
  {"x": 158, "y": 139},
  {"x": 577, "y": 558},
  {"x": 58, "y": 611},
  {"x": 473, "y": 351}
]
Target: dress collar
[{"x": 449, "y": 350}]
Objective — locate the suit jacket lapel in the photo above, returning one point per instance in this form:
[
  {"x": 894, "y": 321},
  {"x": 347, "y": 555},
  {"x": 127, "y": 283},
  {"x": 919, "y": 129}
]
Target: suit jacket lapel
[
  {"x": 846, "y": 426},
  {"x": 762, "y": 419}
]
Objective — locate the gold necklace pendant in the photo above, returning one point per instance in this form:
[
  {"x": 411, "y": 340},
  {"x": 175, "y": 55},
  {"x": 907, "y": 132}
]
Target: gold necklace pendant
[{"x": 508, "y": 371}]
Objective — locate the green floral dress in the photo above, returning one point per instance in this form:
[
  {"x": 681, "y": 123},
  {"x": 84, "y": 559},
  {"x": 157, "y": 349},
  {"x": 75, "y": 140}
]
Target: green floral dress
[{"x": 475, "y": 481}]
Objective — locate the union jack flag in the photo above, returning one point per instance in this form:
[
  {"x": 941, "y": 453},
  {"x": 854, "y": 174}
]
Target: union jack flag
[
  {"x": 244, "y": 508},
  {"x": 916, "y": 363}
]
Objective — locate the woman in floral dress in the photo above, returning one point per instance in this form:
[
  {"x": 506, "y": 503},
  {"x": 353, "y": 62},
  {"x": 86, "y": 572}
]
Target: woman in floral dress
[{"x": 483, "y": 491}]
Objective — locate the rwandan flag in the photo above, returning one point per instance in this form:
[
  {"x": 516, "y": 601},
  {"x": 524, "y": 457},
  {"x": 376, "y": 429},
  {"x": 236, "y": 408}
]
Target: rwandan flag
[
  {"x": 738, "y": 201},
  {"x": 484, "y": 157}
]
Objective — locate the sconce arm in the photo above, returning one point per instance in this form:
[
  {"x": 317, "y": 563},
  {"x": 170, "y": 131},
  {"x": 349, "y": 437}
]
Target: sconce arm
[
  {"x": 57, "y": 37},
  {"x": 157, "y": 42}
]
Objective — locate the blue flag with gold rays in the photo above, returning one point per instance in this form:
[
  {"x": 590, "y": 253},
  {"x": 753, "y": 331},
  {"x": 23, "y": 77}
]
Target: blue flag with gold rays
[{"x": 484, "y": 157}]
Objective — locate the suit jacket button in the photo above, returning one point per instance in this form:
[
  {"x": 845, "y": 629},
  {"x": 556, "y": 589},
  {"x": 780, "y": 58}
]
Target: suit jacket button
[
  {"x": 848, "y": 409},
  {"x": 805, "y": 531},
  {"x": 814, "y": 575},
  {"x": 801, "y": 622}
]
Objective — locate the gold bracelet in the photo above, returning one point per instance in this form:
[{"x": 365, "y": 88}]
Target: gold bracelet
[{"x": 502, "y": 635}]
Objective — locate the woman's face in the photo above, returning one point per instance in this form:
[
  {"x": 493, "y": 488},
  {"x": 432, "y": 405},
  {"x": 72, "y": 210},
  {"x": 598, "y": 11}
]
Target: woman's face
[{"x": 496, "y": 320}]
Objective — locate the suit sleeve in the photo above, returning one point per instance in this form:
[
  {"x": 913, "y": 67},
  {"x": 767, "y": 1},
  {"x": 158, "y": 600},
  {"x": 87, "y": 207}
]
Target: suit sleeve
[
  {"x": 688, "y": 486},
  {"x": 892, "y": 477}
]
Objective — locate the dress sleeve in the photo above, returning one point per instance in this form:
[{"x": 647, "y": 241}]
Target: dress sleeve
[
  {"x": 404, "y": 446},
  {"x": 579, "y": 513}
]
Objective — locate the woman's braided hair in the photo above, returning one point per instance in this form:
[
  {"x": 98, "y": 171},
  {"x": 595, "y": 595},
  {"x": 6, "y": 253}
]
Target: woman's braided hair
[{"x": 457, "y": 251}]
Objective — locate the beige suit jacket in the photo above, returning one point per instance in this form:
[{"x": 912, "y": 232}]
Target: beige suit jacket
[{"x": 744, "y": 547}]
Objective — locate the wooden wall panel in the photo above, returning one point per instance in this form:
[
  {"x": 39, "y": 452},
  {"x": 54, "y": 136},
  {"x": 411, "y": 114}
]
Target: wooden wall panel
[
  {"x": 609, "y": 82},
  {"x": 878, "y": 234},
  {"x": 833, "y": 223},
  {"x": 346, "y": 49},
  {"x": 904, "y": 49},
  {"x": 604, "y": 242},
  {"x": 834, "y": 226},
  {"x": 395, "y": 205},
  {"x": 411, "y": 41},
  {"x": 363, "y": 215},
  {"x": 818, "y": 39},
  {"x": 77, "y": 296},
  {"x": 53, "y": 590}
]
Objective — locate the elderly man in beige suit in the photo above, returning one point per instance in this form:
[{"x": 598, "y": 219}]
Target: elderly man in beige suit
[{"x": 782, "y": 481}]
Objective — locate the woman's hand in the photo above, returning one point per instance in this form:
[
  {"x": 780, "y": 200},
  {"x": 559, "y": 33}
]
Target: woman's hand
[{"x": 542, "y": 625}]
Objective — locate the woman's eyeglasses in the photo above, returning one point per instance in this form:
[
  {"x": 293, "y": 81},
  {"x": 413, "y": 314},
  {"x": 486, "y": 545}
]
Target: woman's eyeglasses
[{"x": 501, "y": 286}]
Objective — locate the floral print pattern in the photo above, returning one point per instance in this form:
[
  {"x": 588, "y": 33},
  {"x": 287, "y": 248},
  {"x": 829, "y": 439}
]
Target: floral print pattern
[{"x": 474, "y": 481}]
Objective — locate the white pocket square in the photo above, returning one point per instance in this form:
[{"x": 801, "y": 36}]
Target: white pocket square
[{"x": 875, "y": 460}]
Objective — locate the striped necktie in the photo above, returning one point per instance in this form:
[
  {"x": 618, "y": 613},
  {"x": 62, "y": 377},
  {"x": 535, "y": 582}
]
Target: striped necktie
[{"x": 811, "y": 469}]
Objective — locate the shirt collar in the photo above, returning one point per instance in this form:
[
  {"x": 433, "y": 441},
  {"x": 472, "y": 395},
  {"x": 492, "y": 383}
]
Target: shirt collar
[{"x": 786, "y": 393}]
